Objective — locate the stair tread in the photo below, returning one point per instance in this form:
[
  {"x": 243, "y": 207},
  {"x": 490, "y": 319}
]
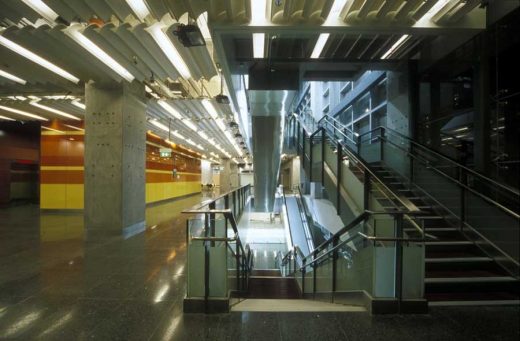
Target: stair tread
[{"x": 488, "y": 279}]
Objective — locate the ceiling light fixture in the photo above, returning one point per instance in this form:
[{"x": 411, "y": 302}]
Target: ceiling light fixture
[
  {"x": 320, "y": 44},
  {"x": 170, "y": 109},
  {"x": 335, "y": 11},
  {"x": 258, "y": 45},
  {"x": 6, "y": 118},
  {"x": 37, "y": 59},
  {"x": 12, "y": 77},
  {"x": 23, "y": 113},
  {"x": 139, "y": 7},
  {"x": 258, "y": 12},
  {"x": 78, "y": 104},
  {"x": 74, "y": 32},
  {"x": 42, "y": 9},
  {"x": 159, "y": 125},
  {"x": 169, "y": 49},
  {"x": 51, "y": 129},
  {"x": 396, "y": 45},
  {"x": 55, "y": 111},
  {"x": 73, "y": 127}
]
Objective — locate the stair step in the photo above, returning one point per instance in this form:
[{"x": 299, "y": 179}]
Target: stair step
[
  {"x": 288, "y": 305},
  {"x": 449, "y": 243},
  {"x": 458, "y": 260},
  {"x": 490, "y": 279}
]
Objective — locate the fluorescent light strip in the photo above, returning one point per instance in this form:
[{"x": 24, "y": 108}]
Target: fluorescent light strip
[
  {"x": 335, "y": 11},
  {"x": 42, "y": 9},
  {"x": 23, "y": 113},
  {"x": 320, "y": 44},
  {"x": 55, "y": 111},
  {"x": 435, "y": 9},
  {"x": 139, "y": 7},
  {"x": 56, "y": 130},
  {"x": 396, "y": 45},
  {"x": 258, "y": 45},
  {"x": 190, "y": 125},
  {"x": 6, "y": 118},
  {"x": 74, "y": 32},
  {"x": 202, "y": 23},
  {"x": 73, "y": 127},
  {"x": 170, "y": 109},
  {"x": 210, "y": 108},
  {"x": 258, "y": 12},
  {"x": 12, "y": 77},
  {"x": 160, "y": 125},
  {"x": 78, "y": 104},
  {"x": 37, "y": 59},
  {"x": 169, "y": 49}
]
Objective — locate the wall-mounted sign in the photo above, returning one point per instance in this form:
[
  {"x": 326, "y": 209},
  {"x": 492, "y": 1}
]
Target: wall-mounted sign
[{"x": 165, "y": 152}]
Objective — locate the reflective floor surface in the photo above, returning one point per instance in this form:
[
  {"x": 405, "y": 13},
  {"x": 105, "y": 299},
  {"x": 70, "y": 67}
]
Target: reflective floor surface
[{"x": 57, "y": 285}]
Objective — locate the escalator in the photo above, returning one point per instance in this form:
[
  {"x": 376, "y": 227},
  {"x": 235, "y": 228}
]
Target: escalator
[{"x": 468, "y": 223}]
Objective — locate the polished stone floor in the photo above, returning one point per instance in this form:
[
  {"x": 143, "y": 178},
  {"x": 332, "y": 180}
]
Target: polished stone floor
[{"x": 57, "y": 285}]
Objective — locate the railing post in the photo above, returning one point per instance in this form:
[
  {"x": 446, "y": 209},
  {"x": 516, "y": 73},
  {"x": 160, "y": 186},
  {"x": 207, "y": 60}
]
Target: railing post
[
  {"x": 234, "y": 203},
  {"x": 463, "y": 180},
  {"x": 334, "y": 266},
  {"x": 226, "y": 206},
  {"x": 381, "y": 143},
  {"x": 322, "y": 157},
  {"x": 366, "y": 191},
  {"x": 310, "y": 158},
  {"x": 206, "y": 262},
  {"x": 358, "y": 142},
  {"x": 212, "y": 222},
  {"x": 303, "y": 150},
  {"x": 303, "y": 275},
  {"x": 338, "y": 177},
  {"x": 314, "y": 275},
  {"x": 237, "y": 255},
  {"x": 399, "y": 260}
]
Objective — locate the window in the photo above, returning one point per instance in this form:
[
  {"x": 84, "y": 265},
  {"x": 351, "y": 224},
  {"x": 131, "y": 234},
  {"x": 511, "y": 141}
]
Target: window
[
  {"x": 362, "y": 106},
  {"x": 379, "y": 94}
]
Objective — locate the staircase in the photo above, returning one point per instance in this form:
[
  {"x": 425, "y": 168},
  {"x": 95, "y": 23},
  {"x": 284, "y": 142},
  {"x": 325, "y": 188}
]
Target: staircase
[
  {"x": 270, "y": 284},
  {"x": 456, "y": 269}
]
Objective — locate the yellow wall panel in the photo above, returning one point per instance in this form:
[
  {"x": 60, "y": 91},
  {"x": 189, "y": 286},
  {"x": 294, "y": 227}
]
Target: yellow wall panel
[{"x": 53, "y": 196}]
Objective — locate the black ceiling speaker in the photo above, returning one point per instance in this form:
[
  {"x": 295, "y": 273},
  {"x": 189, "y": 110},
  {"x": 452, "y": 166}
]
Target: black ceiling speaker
[
  {"x": 238, "y": 135},
  {"x": 222, "y": 99},
  {"x": 233, "y": 124},
  {"x": 189, "y": 35}
]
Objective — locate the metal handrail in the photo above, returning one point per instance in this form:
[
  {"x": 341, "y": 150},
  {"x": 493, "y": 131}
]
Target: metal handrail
[
  {"x": 216, "y": 239},
  {"x": 213, "y": 200},
  {"x": 482, "y": 196},
  {"x": 402, "y": 200},
  {"x": 455, "y": 163}
]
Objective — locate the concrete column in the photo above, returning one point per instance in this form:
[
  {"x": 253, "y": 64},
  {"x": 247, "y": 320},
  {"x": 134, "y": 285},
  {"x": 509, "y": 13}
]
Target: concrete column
[
  {"x": 434, "y": 129},
  {"x": 115, "y": 147},
  {"x": 398, "y": 102}
]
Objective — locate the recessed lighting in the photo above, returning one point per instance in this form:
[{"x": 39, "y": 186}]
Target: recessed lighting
[
  {"x": 320, "y": 44},
  {"x": 396, "y": 45},
  {"x": 139, "y": 7},
  {"x": 169, "y": 49},
  {"x": 258, "y": 45},
  {"x": 42, "y": 9},
  {"x": 74, "y": 32},
  {"x": 23, "y": 113},
  {"x": 55, "y": 111},
  {"x": 37, "y": 59},
  {"x": 12, "y": 77}
]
